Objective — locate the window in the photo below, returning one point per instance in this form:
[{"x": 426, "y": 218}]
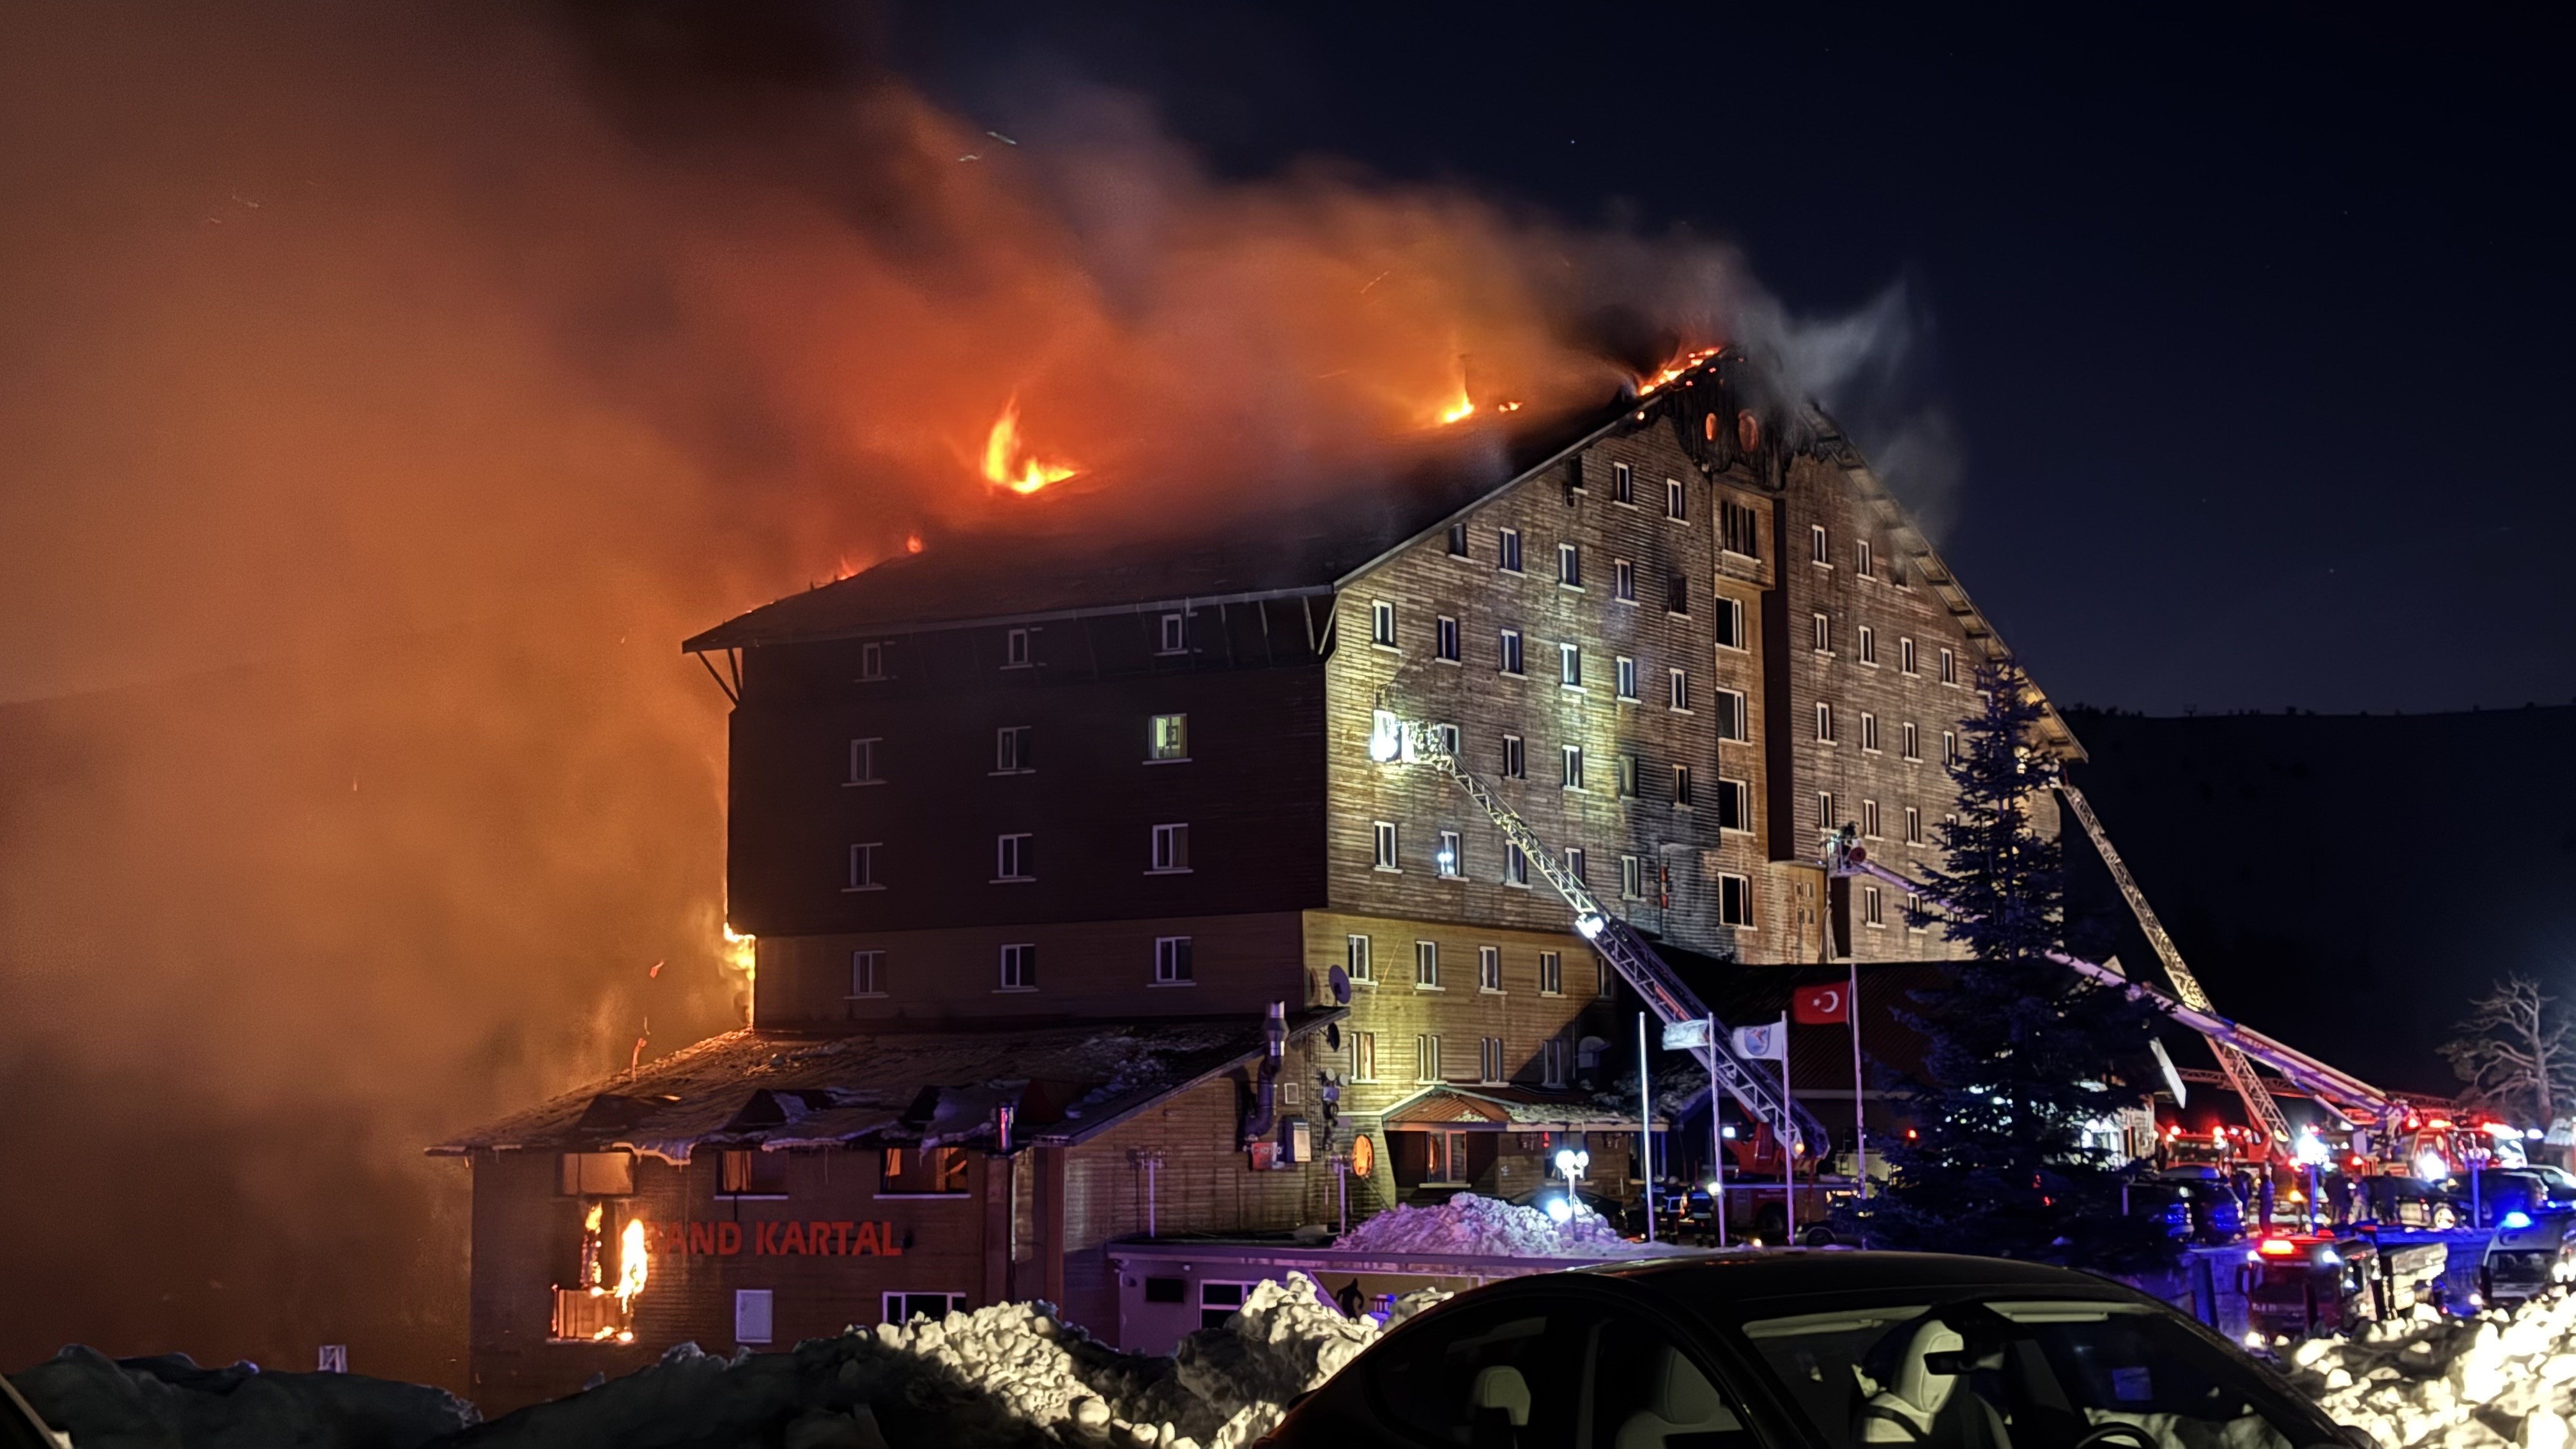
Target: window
[
  {"x": 1869, "y": 819},
  {"x": 863, "y": 763},
  {"x": 1426, "y": 1058},
  {"x": 1730, "y": 624},
  {"x": 1426, "y": 965},
  {"x": 1734, "y": 804},
  {"x": 1171, "y": 850},
  {"x": 1357, "y": 952},
  {"x": 1734, "y": 900},
  {"x": 1676, "y": 505},
  {"x": 752, "y": 1315},
  {"x": 1734, "y": 721},
  {"x": 1172, "y": 961},
  {"x": 1912, "y": 740},
  {"x": 1682, "y": 785},
  {"x": 1515, "y": 759},
  {"x": 1387, "y": 738},
  {"x": 1489, "y": 968},
  {"x": 1363, "y": 1056},
  {"x": 903, "y": 1307},
  {"x": 1949, "y": 667},
  {"x": 1551, "y": 973},
  {"x": 1574, "y": 865},
  {"x": 1737, "y": 533},
  {"x": 1915, "y": 920},
  {"x": 1677, "y": 596},
  {"x": 1623, "y": 581},
  {"x": 1949, "y": 747},
  {"x": 1452, "y": 857},
  {"x": 1507, "y": 550},
  {"x": 595, "y": 1174},
  {"x": 1168, "y": 738},
  {"x": 1868, "y": 730},
  {"x": 1220, "y": 1301},
  {"x": 1551, "y": 1062},
  {"x": 1627, "y": 677},
  {"x": 1175, "y": 635},
  {"x": 1569, "y": 566},
  {"x": 1015, "y": 857},
  {"x": 1825, "y": 809},
  {"x": 1510, "y": 651},
  {"x": 1573, "y": 767},
  {"x": 1868, "y": 645},
  {"x": 867, "y": 973},
  {"x": 1677, "y": 693},
  {"x": 1489, "y": 1060},
  {"x": 1604, "y": 983},
  {"x": 1014, "y": 749},
  {"x": 1913, "y": 825},
  {"x": 1016, "y": 653},
  {"x": 1020, "y": 967},
  {"x": 1458, "y": 540},
  {"x": 872, "y": 661},
  {"x": 1444, "y": 738},
  {"x": 1821, "y": 638},
  {"x": 749, "y": 1172},
  {"x": 1569, "y": 665},
  {"x": 1863, "y": 562},
  {"x": 1444, "y": 644},
  {"x": 1817, "y": 549},
  {"x": 1623, "y": 483},
  {"x": 1873, "y": 912},
  {"x": 1905, "y": 653},
  {"x": 1382, "y": 624},
  {"x": 1515, "y": 865},
  {"x": 1824, "y": 723},
  {"x": 863, "y": 867},
  {"x": 922, "y": 1171},
  {"x": 1382, "y": 835},
  {"x": 1626, "y": 767},
  {"x": 1632, "y": 878}
]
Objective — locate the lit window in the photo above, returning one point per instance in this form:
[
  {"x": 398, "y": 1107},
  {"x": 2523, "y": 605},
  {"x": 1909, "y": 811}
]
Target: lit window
[
  {"x": 863, "y": 763},
  {"x": 1511, "y": 651},
  {"x": 1734, "y": 805},
  {"x": 1452, "y": 857},
  {"x": 1445, "y": 640},
  {"x": 1821, "y": 637},
  {"x": 867, "y": 973},
  {"x": 1676, "y": 504},
  {"x": 1383, "y": 834},
  {"x": 1014, "y": 749},
  {"x": 1168, "y": 737},
  {"x": 1682, "y": 785},
  {"x": 1507, "y": 550},
  {"x": 1730, "y": 624},
  {"x": 1678, "y": 693},
  {"x": 1515, "y": 759},
  {"x": 1734, "y": 900},
  {"x": 1489, "y": 968},
  {"x": 1623, "y": 483},
  {"x": 1824, "y": 722},
  {"x": 1627, "y": 672},
  {"x": 1175, "y": 638},
  {"x": 1623, "y": 581},
  {"x": 1363, "y": 1056},
  {"x": 1016, "y": 652},
  {"x": 1573, "y": 767},
  {"x": 1020, "y": 967},
  {"x": 1868, "y": 645},
  {"x": 1171, "y": 849},
  {"x": 872, "y": 661},
  {"x": 1569, "y": 665},
  {"x": 1015, "y": 857},
  {"x": 914, "y": 1170},
  {"x": 1569, "y": 565},
  {"x": 1382, "y": 624},
  {"x": 1172, "y": 961},
  {"x": 1551, "y": 973},
  {"x": 1426, "y": 965},
  {"x": 1357, "y": 954},
  {"x": 863, "y": 867},
  {"x": 1817, "y": 548}
]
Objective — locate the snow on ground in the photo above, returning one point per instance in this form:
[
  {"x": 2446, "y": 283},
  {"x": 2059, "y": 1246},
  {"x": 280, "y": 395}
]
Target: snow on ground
[
  {"x": 1483, "y": 1225},
  {"x": 2458, "y": 1383}
]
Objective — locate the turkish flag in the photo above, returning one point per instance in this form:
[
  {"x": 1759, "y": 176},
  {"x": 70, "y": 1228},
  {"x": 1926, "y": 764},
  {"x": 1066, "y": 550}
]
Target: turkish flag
[{"x": 1820, "y": 1005}]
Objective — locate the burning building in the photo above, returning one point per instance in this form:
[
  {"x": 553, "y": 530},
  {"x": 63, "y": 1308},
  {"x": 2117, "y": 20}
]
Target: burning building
[{"x": 1083, "y": 911}]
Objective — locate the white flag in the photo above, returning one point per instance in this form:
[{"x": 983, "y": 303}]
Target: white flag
[
  {"x": 1683, "y": 1035},
  {"x": 1767, "y": 1042}
]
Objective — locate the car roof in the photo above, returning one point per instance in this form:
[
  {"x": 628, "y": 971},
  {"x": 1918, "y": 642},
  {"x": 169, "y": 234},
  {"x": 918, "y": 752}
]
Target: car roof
[{"x": 1799, "y": 1274}]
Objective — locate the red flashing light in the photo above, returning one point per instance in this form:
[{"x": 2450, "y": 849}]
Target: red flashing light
[
  {"x": 2439, "y": 1124},
  {"x": 2277, "y": 1248}
]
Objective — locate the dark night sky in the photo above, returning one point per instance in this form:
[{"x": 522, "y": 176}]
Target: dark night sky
[{"x": 2247, "y": 326}]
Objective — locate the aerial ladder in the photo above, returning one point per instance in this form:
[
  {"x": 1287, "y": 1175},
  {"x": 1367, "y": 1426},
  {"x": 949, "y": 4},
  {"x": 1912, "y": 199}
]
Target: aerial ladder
[{"x": 1654, "y": 980}]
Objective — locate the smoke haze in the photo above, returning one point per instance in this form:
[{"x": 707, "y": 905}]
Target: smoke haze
[{"x": 384, "y": 390}]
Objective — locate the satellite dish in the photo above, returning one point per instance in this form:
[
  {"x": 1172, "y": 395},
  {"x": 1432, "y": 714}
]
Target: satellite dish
[
  {"x": 1341, "y": 980},
  {"x": 1333, "y": 1035}
]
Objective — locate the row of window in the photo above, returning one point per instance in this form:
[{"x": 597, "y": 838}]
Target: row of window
[
  {"x": 1909, "y": 740},
  {"x": 1820, "y": 638},
  {"x": 1017, "y": 967},
  {"x": 1737, "y": 531},
  {"x": 1448, "y": 647},
  {"x": 1167, "y": 742},
  {"x": 1359, "y": 962},
  {"x": 1870, "y": 825},
  {"x": 1015, "y": 857},
  {"x": 1171, "y": 636},
  {"x": 1733, "y": 797},
  {"x": 1820, "y": 551},
  {"x": 1639, "y": 878},
  {"x": 1493, "y": 1066}
]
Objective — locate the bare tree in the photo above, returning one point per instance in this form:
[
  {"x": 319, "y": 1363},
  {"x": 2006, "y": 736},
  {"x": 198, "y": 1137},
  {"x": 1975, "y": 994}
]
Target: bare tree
[{"x": 2513, "y": 1051}]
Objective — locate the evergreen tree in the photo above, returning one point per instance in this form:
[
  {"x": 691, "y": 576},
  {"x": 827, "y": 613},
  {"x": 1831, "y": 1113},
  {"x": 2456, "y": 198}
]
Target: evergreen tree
[{"x": 2022, "y": 1050}]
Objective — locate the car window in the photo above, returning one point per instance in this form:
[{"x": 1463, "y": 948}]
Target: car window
[
  {"x": 2028, "y": 1375},
  {"x": 1644, "y": 1391},
  {"x": 1499, "y": 1376}
]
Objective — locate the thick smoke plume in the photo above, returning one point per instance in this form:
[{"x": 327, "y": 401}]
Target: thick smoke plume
[{"x": 385, "y": 389}]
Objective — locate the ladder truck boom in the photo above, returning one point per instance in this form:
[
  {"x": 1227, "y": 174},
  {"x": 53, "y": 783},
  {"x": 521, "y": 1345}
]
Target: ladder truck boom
[{"x": 1619, "y": 944}]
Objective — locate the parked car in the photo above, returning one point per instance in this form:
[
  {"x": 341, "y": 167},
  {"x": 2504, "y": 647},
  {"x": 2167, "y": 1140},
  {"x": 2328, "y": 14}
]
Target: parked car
[
  {"x": 2529, "y": 1254},
  {"x": 2406, "y": 1202},
  {"x": 2485, "y": 1200},
  {"x": 1798, "y": 1350},
  {"x": 2216, "y": 1214}
]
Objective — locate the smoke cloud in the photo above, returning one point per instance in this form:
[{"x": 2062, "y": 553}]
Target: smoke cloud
[{"x": 384, "y": 390}]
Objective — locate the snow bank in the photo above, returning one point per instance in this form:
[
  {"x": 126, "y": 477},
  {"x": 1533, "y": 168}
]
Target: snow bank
[
  {"x": 1471, "y": 1224},
  {"x": 171, "y": 1403},
  {"x": 2497, "y": 1379}
]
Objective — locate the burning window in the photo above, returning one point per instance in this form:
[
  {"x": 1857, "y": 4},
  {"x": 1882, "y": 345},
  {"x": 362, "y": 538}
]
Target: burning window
[
  {"x": 1171, "y": 848},
  {"x": 1382, "y": 624},
  {"x": 749, "y": 1172},
  {"x": 596, "y": 1309},
  {"x": 1015, "y": 857},
  {"x": 1489, "y": 968},
  {"x": 1020, "y": 967},
  {"x": 1172, "y": 963},
  {"x": 1382, "y": 844},
  {"x": 1510, "y": 651},
  {"x": 1551, "y": 973},
  {"x": 1734, "y": 900},
  {"x": 1515, "y": 758},
  {"x": 1426, "y": 965},
  {"x": 1168, "y": 737},
  {"x": 1175, "y": 635},
  {"x": 1507, "y": 550}
]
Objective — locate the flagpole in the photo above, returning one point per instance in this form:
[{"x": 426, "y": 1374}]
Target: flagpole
[
  {"x": 1716, "y": 1140},
  {"x": 1646, "y": 1126},
  {"x": 1860, "y": 1114},
  {"x": 1788, "y": 1141}
]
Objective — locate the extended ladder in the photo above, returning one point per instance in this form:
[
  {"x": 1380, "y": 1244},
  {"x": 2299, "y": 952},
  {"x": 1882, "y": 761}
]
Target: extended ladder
[{"x": 1627, "y": 952}]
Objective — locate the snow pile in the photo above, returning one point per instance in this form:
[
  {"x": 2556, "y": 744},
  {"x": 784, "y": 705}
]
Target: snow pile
[
  {"x": 2479, "y": 1383},
  {"x": 1471, "y": 1224},
  {"x": 170, "y": 1401}
]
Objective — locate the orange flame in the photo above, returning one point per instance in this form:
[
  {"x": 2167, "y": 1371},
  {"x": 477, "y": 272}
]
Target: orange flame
[
  {"x": 1457, "y": 411},
  {"x": 634, "y": 1265},
  {"x": 1010, "y": 465},
  {"x": 912, "y": 543},
  {"x": 1674, "y": 369},
  {"x": 741, "y": 953}
]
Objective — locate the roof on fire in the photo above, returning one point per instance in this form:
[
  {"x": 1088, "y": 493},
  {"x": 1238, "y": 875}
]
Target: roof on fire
[{"x": 776, "y": 1091}]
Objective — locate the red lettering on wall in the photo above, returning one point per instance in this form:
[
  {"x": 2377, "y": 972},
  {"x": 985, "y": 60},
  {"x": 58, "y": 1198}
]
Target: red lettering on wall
[
  {"x": 728, "y": 1239},
  {"x": 867, "y": 1242},
  {"x": 818, "y": 1238},
  {"x": 841, "y": 1243},
  {"x": 702, "y": 1238},
  {"x": 893, "y": 1244},
  {"x": 764, "y": 1239},
  {"x": 791, "y": 1239}
]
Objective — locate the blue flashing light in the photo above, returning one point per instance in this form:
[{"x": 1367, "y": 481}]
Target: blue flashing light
[{"x": 2513, "y": 1220}]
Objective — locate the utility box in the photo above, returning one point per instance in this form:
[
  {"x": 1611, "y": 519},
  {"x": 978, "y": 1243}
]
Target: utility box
[{"x": 1296, "y": 1142}]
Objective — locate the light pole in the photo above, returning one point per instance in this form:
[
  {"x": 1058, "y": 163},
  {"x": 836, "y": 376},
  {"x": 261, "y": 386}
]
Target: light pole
[{"x": 1573, "y": 1162}]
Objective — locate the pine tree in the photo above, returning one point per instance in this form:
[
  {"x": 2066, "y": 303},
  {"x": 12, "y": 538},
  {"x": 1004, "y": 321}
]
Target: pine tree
[{"x": 2022, "y": 1050}]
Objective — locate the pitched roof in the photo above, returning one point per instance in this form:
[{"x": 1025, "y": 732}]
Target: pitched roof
[
  {"x": 777, "y": 1091},
  {"x": 1509, "y": 1107}
]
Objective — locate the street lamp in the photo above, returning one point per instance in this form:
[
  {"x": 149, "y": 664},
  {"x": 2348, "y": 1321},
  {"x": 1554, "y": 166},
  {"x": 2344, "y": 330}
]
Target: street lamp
[{"x": 1573, "y": 1162}]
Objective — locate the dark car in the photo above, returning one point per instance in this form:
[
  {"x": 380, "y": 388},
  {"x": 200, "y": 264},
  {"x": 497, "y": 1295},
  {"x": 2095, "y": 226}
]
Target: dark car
[
  {"x": 1803, "y": 1350},
  {"x": 2497, "y": 1191},
  {"x": 2217, "y": 1214}
]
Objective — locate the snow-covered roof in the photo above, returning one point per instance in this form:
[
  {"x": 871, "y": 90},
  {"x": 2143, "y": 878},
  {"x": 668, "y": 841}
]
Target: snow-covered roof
[
  {"x": 778, "y": 1091},
  {"x": 1513, "y": 1109}
]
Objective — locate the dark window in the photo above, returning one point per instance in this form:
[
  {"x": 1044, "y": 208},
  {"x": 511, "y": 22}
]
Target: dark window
[
  {"x": 1015, "y": 749},
  {"x": 867, "y": 973},
  {"x": 752, "y": 1173},
  {"x": 1681, "y": 785},
  {"x": 923, "y": 1170},
  {"x": 1730, "y": 623},
  {"x": 1167, "y": 1290},
  {"x": 1457, "y": 540},
  {"x": 1447, "y": 640},
  {"x": 1676, "y": 505},
  {"x": 1676, "y": 595},
  {"x": 1505, "y": 1374},
  {"x": 1734, "y": 805},
  {"x": 1020, "y": 967},
  {"x": 1515, "y": 760},
  {"x": 1507, "y": 550},
  {"x": 1382, "y": 623},
  {"x": 1734, "y": 900},
  {"x": 1645, "y": 1390},
  {"x": 1172, "y": 960},
  {"x": 1737, "y": 532},
  {"x": 1623, "y": 483}
]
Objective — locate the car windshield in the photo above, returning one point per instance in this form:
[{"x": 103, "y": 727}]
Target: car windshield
[{"x": 2013, "y": 1374}]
